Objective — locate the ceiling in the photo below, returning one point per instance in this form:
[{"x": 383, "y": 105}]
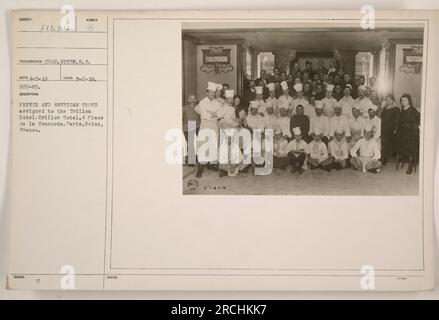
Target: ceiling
[{"x": 311, "y": 40}]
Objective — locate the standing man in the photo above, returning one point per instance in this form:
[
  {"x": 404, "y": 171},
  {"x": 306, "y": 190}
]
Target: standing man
[
  {"x": 347, "y": 102},
  {"x": 374, "y": 122},
  {"x": 285, "y": 99},
  {"x": 299, "y": 120},
  {"x": 249, "y": 94},
  {"x": 309, "y": 69},
  {"x": 329, "y": 101},
  {"x": 363, "y": 102},
  {"x": 320, "y": 124},
  {"x": 272, "y": 100},
  {"x": 356, "y": 126},
  {"x": 339, "y": 121},
  {"x": 300, "y": 99},
  {"x": 263, "y": 78},
  {"x": 210, "y": 111}
]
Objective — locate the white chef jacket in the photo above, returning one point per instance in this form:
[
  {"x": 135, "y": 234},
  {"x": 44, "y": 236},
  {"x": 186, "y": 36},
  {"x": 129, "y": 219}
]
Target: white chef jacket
[
  {"x": 318, "y": 151},
  {"x": 229, "y": 120},
  {"x": 368, "y": 148},
  {"x": 310, "y": 110},
  {"x": 375, "y": 122},
  {"x": 261, "y": 106},
  {"x": 339, "y": 122},
  {"x": 287, "y": 101},
  {"x": 206, "y": 106},
  {"x": 294, "y": 146},
  {"x": 328, "y": 106},
  {"x": 357, "y": 125},
  {"x": 284, "y": 124},
  {"x": 280, "y": 148},
  {"x": 364, "y": 105},
  {"x": 321, "y": 123},
  {"x": 338, "y": 149},
  {"x": 271, "y": 122},
  {"x": 346, "y": 104},
  {"x": 255, "y": 122}
]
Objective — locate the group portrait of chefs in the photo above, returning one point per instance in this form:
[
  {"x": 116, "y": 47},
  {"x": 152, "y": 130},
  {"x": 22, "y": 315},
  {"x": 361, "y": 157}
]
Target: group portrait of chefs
[{"x": 321, "y": 117}]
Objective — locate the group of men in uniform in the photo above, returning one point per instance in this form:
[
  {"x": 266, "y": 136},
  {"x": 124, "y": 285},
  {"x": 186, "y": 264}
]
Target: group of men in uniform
[{"x": 328, "y": 133}]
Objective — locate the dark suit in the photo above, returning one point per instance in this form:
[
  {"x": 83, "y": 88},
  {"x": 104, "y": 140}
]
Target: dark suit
[
  {"x": 249, "y": 95},
  {"x": 303, "y": 123}
]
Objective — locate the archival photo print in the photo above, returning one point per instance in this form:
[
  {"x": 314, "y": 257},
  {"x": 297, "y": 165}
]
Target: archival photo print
[{"x": 302, "y": 111}]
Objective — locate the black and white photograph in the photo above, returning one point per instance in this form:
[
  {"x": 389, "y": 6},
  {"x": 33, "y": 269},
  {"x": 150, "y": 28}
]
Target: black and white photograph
[{"x": 336, "y": 110}]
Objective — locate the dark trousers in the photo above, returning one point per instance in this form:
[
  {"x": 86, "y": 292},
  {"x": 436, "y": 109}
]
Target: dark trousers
[
  {"x": 281, "y": 162},
  {"x": 297, "y": 160}
]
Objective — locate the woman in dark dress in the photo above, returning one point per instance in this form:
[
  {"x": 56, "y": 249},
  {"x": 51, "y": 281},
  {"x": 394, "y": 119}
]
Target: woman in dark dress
[
  {"x": 407, "y": 134},
  {"x": 389, "y": 124}
]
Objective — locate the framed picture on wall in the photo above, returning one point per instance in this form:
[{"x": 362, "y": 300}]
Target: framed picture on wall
[{"x": 412, "y": 55}]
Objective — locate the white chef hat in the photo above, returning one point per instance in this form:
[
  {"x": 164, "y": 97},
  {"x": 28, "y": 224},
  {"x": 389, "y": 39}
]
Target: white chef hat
[
  {"x": 259, "y": 89},
  {"x": 277, "y": 130},
  {"x": 317, "y": 132},
  {"x": 211, "y": 86},
  {"x": 284, "y": 104},
  {"x": 253, "y": 105},
  {"x": 368, "y": 127},
  {"x": 356, "y": 106},
  {"x": 339, "y": 130},
  {"x": 298, "y": 87},
  {"x": 271, "y": 86},
  {"x": 219, "y": 86},
  {"x": 284, "y": 85},
  {"x": 362, "y": 88},
  {"x": 338, "y": 106},
  {"x": 297, "y": 131},
  {"x": 319, "y": 104},
  {"x": 330, "y": 87},
  {"x": 373, "y": 107},
  {"x": 229, "y": 93},
  {"x": 348, "y": 86}
]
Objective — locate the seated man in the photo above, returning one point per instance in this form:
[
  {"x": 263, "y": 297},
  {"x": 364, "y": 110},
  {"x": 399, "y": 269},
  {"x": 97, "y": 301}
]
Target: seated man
[
  {"x": 297, "y": 151},
  {"x": 369, "y": 153},
  {"x": 280, "y": 150},
  {"x": 356, "y": 126},
  {"x": 338, "y": 150},
  {"x": 318, "y": 156}
]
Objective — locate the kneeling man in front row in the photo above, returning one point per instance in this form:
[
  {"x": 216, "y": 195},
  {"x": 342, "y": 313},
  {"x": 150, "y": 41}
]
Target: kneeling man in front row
[
  {"x": 366, "y": 153},
  {"x": 338, "y": 150},
  {"x": 297, "y": 151},
  {"x": 318, "y": 156}
]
